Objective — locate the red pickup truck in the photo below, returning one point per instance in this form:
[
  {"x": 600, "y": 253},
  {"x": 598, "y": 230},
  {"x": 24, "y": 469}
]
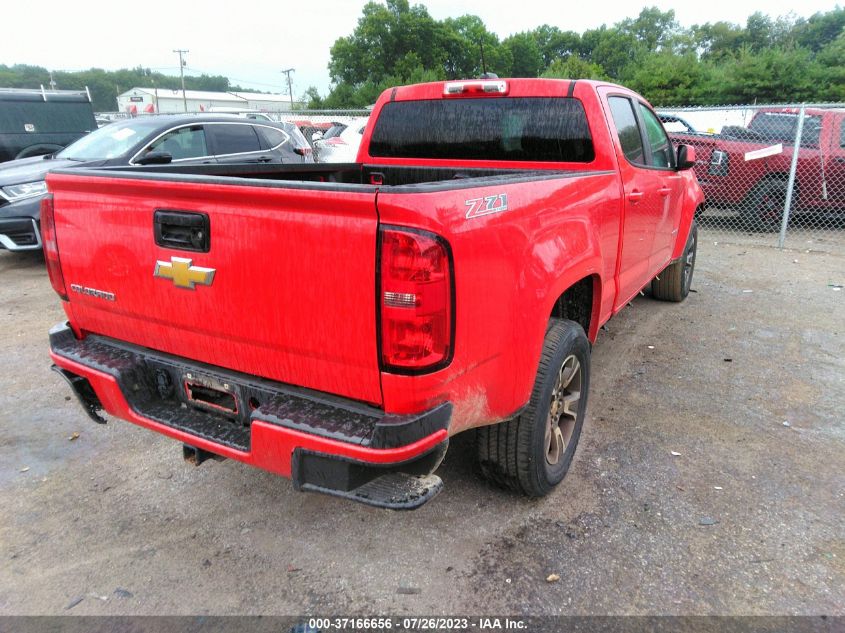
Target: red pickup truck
[
  {"x": 733, "y": 176},
  {"x": 336, "y": 324}
]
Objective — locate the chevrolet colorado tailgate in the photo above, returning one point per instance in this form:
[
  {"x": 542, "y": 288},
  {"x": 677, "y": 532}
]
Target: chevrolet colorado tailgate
[{"x": 273, "y": 282}]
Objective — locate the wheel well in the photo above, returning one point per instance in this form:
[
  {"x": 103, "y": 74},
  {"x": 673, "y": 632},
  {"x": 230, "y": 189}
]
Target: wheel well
[{"x": 576, "y": 304}]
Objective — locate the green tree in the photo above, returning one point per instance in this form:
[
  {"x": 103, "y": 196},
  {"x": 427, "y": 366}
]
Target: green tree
[
  {"x": 654, "y": 29},
  {"x": 526, "y": 55},
  {"x": 830, "y": 78},
  {"x": 820, "y": 30},
  {"x": 666, "y": 79},
  {"x": 773, "y": 75},
  {"x": 312, "y": 99},
  {"x": 612, "y": 49},
  {"x": 386, "y": 36},
  {"x": 718, "y": 40},
  {"x": 555, "y": 44},
  {"x": 467, "y": 40},
  {"x": 573, "y": 67}
]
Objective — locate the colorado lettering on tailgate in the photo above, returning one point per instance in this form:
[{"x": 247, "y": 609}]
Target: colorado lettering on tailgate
[{"x": 281, "y": 358}]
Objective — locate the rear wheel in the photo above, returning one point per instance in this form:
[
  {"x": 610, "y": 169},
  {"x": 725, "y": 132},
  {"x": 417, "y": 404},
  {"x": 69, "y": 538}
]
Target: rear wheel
[
  {"x": 532, "y": 452},
  {"x": 763, "y": 207},
  {"x": 674, "y": 282}
]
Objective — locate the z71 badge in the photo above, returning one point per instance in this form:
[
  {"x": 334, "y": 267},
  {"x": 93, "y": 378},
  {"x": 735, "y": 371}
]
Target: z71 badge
[{"x": 486, "y": 205}]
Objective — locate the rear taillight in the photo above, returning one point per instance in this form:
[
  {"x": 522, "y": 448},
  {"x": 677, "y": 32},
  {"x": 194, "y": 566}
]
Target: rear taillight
[
  {"x": 51, "y": 246},
  {"x": 302, "y": 151},
  {"x": 415, "y": 298}
]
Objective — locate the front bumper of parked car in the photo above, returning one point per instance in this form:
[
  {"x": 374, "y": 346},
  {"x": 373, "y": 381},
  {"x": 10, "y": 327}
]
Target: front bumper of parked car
[{"x": 19, "y": 224}]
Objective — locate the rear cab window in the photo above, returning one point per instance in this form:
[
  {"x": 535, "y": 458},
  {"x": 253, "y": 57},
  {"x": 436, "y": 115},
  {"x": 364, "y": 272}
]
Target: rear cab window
[{"x": 526, "y": 129}]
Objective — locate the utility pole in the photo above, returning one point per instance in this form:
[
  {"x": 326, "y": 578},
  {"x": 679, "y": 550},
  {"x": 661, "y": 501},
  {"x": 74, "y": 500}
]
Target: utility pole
[
  {"x": 287, "y": 72},
  {"x": 182, "y": 74}
]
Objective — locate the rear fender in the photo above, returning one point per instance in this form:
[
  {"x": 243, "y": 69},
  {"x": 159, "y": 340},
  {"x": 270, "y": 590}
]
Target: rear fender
[{"x": 574, "y": 261}]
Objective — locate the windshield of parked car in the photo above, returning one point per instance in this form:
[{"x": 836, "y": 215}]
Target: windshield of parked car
[{"x": 110, "y": 141}]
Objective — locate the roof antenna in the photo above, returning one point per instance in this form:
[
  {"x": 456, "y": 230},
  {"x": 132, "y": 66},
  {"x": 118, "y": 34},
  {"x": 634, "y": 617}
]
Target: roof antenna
[{"x": 484, "y": 73}]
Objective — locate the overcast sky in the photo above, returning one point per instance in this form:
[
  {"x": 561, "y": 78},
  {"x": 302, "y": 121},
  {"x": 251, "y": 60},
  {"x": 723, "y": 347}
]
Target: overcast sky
[{"x": 250, "y": 42}]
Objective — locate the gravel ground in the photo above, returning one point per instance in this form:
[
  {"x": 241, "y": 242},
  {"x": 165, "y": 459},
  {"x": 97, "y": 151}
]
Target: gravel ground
[{"x": 744, "y": 381}]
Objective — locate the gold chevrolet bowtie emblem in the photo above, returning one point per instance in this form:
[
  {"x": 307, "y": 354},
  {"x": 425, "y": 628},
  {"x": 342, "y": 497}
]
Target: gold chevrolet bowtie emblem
[{"x": 183, "y": 275}]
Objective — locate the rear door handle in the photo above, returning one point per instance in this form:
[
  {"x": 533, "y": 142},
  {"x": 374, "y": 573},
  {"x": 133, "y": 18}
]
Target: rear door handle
[
  {"x": 635, "y": 196},
  {"x": 664, "y": 191},
  {"x": 264, "y": 159}
]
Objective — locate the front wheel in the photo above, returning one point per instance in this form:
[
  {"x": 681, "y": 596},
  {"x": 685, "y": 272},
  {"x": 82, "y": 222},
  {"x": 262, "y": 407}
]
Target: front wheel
[
  {"x": 673, "y": 284},
  {"x": 532, "y": 452},
  {"x": 762, "y": 209}
]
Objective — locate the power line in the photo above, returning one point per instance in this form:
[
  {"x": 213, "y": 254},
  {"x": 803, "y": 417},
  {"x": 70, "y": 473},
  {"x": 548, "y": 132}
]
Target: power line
[{"x": 240, "y": 80}]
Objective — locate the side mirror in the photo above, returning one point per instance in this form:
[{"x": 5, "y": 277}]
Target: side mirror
[
  {"x": 686, "y": 157},
  {"x": 316, "y": 136},
  {"x": 155, "y": 158}
]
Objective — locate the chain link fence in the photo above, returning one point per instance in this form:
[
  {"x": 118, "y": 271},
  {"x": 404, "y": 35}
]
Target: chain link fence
[
  {"x": 777, "y": 170},
  {"x": 773, "y": 170}
]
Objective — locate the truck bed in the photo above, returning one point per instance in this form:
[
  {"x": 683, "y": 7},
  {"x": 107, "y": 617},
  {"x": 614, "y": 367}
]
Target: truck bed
[{"x": 336, "y": 176}]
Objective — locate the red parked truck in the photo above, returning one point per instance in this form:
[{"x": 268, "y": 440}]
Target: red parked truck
[
  {"x": 336, "y": 324},
  {"x": 747, "y": 169}
]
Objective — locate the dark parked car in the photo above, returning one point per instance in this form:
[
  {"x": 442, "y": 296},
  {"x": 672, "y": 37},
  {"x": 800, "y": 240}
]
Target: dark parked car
[
  {"x": 36, "y": 122},
  {"x": 188, "y": 139}
]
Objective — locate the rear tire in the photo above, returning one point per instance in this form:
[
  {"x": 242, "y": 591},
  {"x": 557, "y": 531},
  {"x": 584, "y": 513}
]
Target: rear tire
[
  {"x": 674, "y": 282},
  {"x": 532, "y": 452}
]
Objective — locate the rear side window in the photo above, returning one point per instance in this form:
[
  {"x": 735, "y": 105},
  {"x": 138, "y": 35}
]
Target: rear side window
[
  {"x": 493, "y": 128},
  {"x": 234, "y": 138},
  {"x": 622, "y": 112},
  {"x": 271, "y": 136}
]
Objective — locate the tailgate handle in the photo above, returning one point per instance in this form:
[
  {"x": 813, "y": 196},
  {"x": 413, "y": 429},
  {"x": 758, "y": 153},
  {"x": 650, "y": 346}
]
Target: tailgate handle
[{"x": 182, "y": 230}]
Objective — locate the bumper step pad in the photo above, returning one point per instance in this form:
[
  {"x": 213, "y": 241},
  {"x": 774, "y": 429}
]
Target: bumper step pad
[{"x": 394, "y": 491}]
